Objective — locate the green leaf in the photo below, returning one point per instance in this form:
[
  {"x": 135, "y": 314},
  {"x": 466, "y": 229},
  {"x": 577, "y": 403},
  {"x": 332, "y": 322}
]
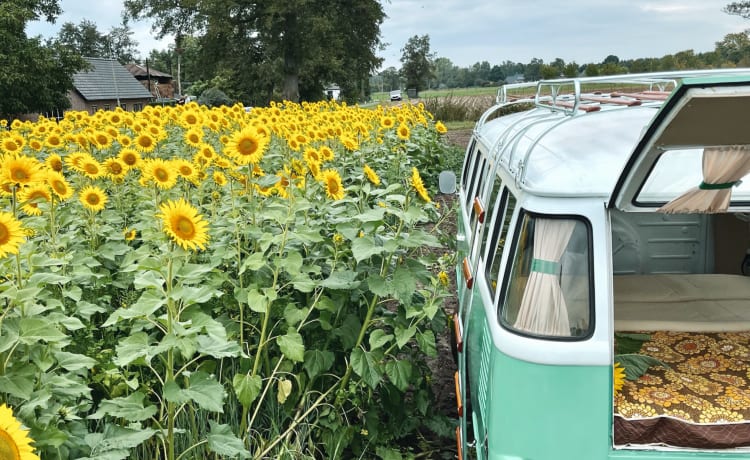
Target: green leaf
[
  {"x": 294, "y": 315},
  {"x": 130, "y": 408},
  {"x": 18, "y": 382},
  {"x": 378, "y": 285},
  {"x": 254, "y": 261},
  {"x": 246, "y": 387},
  {"x": 365, "y": 365},
  {"x": 636, "y": 365},
  {"x": 291, "y": 262},
  {"x": 202, "y": 389},
  {"x": 386, "y": 453},
  {"x": 74, "y": 293},
  {"x": 257, "y": 301},
  {"x": 73, "y": 361},
  {"x": 116, "y": 437},
  {"x": 378, "y": 338},
  {"x": 317, "y": 362},
  {"x": 341, "y": 279},
  {"x": 148, "y": 279},
  {"x": 292, "y": 345},
  {"x": 111, "y": 249},
  {"x": 426, "y": 342},
  {"x": 131, "y": 348},
  {"x": 223, "y": 441},
  {"x": 399, "y": 373},
  {"x": 630, "y": 343},
  {"x": 403, "y": 284},
  {"x": 404, "y": 335},
  {"x": 217, "y": 347},
  {"x": 364, "y": 248},
  {"x": 32, "y": 330},
  {"x": 41, "y": 278},
  {"x": 348, "y": 331}
]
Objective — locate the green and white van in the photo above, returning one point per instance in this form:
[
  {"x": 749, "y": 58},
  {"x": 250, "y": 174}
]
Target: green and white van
[{"x": 604, "y": 231}]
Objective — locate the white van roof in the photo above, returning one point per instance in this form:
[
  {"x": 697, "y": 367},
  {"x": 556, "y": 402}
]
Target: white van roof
[{"x": 576, "y": 141}]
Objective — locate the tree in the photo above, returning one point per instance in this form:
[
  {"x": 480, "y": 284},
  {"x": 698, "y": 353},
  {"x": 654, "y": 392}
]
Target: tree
[
  {"x": 741, "y": 9},
  {"x": 417, "y": 62},
  {"x": 24, "y": 59},
  {"x": 734, "y": 47},
  {"x": 86, "y": 40}
]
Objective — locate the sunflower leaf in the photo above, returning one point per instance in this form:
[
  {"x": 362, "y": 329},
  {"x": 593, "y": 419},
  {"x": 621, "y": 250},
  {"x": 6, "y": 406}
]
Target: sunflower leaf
[{"x": 636, "y": 365}]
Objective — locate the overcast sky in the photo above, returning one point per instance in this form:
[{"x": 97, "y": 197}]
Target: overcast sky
[{"x": 469, "y": 31}]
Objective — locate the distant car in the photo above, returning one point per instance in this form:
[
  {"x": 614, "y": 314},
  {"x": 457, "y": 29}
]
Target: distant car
[{"x": 396, "y": 95}]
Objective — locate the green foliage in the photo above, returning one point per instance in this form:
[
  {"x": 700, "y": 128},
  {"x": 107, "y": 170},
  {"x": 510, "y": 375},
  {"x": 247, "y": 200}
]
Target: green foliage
[
  {"x": 416, "y": 60},
  {"x": 214, "y": 97}
]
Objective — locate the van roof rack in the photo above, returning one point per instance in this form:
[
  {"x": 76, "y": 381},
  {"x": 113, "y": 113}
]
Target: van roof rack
[{"x": 587, "y": 94}]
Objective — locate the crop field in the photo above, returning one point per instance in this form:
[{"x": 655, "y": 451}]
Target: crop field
[{"x": 204, "y": 283}]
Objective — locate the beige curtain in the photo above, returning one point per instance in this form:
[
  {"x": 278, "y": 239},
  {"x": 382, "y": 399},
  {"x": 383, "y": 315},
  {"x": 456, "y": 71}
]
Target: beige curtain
[
  {"x": 722, "y": 168},
  {"x": 543, "y": 310}
]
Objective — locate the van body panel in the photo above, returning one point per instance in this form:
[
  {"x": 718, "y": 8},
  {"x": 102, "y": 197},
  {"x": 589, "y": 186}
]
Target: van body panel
[{"x": 535, "y": 393}]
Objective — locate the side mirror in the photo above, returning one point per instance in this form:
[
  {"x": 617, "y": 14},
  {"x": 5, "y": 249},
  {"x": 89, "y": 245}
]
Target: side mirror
[{"x": 447, "y": 182}]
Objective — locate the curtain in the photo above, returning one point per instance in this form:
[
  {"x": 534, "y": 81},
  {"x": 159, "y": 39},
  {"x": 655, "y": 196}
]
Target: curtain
[
  {"x": 543, "y": 310},
  {"x": 722, "y": 168}
]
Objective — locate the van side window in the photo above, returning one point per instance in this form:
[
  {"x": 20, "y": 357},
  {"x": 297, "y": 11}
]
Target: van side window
[
  {"x": 548, "y": 292},
  {"x": 503, "y": 214},
  {"x": 477, "y": 175},
  {"x": 470, "y": 160},
  {"x": 492, "y": 200}
]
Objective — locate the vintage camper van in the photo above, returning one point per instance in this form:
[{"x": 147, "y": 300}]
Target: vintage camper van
[{"x": 604, "y": 296}]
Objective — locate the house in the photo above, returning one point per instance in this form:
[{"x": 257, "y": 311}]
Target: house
[
  {"x": 333, "y": 92},
  {"x": 106, "y": 85},
  {"x": 160, "y": 84}
]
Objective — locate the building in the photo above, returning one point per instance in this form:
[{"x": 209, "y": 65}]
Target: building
[
  {"x": 106, "y": 85},
  {"x": 160, "y": 84}
]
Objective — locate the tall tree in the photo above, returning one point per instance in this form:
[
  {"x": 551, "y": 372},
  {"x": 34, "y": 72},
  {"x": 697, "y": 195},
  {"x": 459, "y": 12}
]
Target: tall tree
[
  {"x": 739, "y": 9},
  {"x": 86, "y": 39},
  {"x": 416, "y": 60},
  {"x": 24, "y": 59}
]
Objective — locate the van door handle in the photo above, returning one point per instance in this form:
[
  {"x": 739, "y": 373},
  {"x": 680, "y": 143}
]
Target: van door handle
[
  {"x": 459, "y": 404},
  {"x": 467, "y": 273},
  {"x": 459, "y": 332},
  {"x": 479, "y": 209}
]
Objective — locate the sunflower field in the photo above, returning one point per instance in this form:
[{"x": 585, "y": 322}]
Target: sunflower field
[{"x": 195, "y": 283}]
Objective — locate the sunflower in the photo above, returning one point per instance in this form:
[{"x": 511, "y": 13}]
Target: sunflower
[
  {"x": 403, "y": 132},
  {"x": 32, "y": 196},
  {"x": 440, "y": 127},
  {"x": 91, "y": 168},
  {"x": 246, "y": 146},
  {"x": 372, "y": 176},
  {"x": 194, "y": 137},
  {"x": 54, "y": 141},
  {"x": 219, "y": 178},
  {"x": 416, "y": 182},
  {"x": 12, "y": 144},
  {"x": 162, "y": 172},
  {"x": 129, "y": 234},
  {"x": 101, "y": 139},
  {"x": 145, "y": 143},
  {"x": 20, "y": 170},
  {"x": 332, "y": 182},
  {"x": 326, "y": 153},
  {"x": 130, "y": 157},
  {"x": 183, "y": 224},
  {"x": 618, "y": 377},
  {"x": 187, "y": 170},
  {"x": 93, "y": 198},
  {"x": 443, "y": 278},
  {"x": 115, "y": 169},
  {"x": 11, "y": 235},
  {"x": 54, "y": 162},
  {"x": 59, "y": 185},
  {"x": 15, "y": 443},
  {"x": 387, "y": 122}
]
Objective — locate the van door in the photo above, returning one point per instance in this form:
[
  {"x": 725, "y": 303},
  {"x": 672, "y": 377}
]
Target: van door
[{"x": 701, "y": 115}]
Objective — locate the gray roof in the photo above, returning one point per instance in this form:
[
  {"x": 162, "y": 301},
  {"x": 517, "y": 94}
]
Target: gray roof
[
  {"x": 140, "y": 71},
  {"x": 107, "y": 79}
]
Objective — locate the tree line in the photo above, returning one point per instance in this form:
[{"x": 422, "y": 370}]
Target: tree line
[{"x": 440, "y": 72}]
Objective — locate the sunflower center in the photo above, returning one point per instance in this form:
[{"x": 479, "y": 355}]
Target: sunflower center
[
  {"x": 184, "y": 228},
  {"x": 333, "y": 186},
  {"x": 8, "y": 447},
  {"x": 92, "y": 199},
  {"x": 161, "y": 175},
  {"x": 19, "y": 175},
  {"x": 247, "y": 147},
  {"x": 91, "y": 168}
]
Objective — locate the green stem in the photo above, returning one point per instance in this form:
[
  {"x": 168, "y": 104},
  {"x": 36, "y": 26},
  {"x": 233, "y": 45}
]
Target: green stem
[{"x": 171, "y": 410}]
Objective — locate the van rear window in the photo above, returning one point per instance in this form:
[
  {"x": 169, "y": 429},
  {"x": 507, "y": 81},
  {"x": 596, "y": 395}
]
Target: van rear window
[{"x": 548, "y": 290}]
